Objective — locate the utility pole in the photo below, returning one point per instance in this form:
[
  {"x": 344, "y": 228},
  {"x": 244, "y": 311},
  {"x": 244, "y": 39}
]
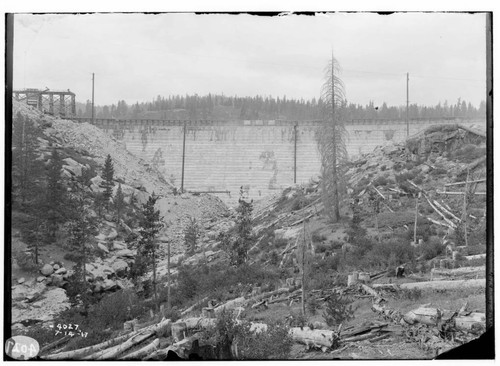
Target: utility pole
[
  {"x": 407, "y": 104},
  {"x": 416, "y": 220},
  {"x": 93, "y": 113},
  {"x": 169, "y": 303},
  {"x": 183, "y": 157},
  {"x": 295, "y": 154}
]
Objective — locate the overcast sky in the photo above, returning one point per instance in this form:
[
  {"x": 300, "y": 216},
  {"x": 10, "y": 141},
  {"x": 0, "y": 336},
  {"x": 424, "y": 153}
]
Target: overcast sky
[{"x": 136, "y": 57}]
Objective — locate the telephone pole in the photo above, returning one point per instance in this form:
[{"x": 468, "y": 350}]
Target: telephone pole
[
  {"x": 93, "y": 113},
  {"x": 407, "y": 104},
  {"x": 183, "y": 156}
]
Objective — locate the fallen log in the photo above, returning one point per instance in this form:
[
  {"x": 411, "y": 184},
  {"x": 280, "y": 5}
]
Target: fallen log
[
  {"x": 369, "y": 290},
  {"x": 260, "y": 297},
  {"x": 239, "y": 301},
  {"x": 188, "y": 310},
  {"x": 113, "y": 352},
  {"x": 317, "y": 338},
  {"x": 181, "y": 349},
  {"x": 385, "y": 286},
  {"x": 459, "y": 271},
  {"x": 198, "y": 323},
  {"x": 56, "y": 343},
  {"x": 471, "y": 322},
  {"x": 78, "y": 353},
  {"x": 362, "y": 337},
  {"x": 477, "y": 256},
  {"x": 444, "y": 285},
  {"x": 132, "y": 340},
  {"x": 428, "y": 316},
  {"x": 140, "y": 353}
]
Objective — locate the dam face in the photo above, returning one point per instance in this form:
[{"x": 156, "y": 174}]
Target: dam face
[{"x": 260, "y": 156}]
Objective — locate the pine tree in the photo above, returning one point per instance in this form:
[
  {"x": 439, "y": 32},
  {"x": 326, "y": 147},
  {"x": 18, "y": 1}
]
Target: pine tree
[
  {"x": 244, "y": 235},
  {"x": 26, "y": 172},
  {"x": 331, "y": 139},
  {"x": 108, "y": 176},
  {"x": 119, "y": 203},
  {"x": 82, "y": 228},
  {"x": 55, "y": 198},
  {"x": 191, "y": 234},
  {"x": 151, "y": 225}
]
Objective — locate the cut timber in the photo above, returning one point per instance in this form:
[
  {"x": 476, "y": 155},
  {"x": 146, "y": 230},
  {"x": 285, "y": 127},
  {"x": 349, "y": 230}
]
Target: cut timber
[
  {"x": 198, "y": 323},
  {"x": 55, "y": 344},
  {"x": 78, "y": 353},
  {"x": 444, "y": 285},
  {"x": 459, "y": 271},
  {"x": 304, "y": 219},
  {"x": 140, "y": 353},
  {"x": 428, "y": 316},
  {"x": 240, "y": 301},
  {"x": 318, "y": 338},
  {"x": 131, "y": 340},
  {"x": 473, "y": 321},
  {"x": 477, "y": 256},
  {"x": 114, "y": 352},
  {"x": 181, "y": 349},
  {"x": 369, "y": 290},
  {"x": 385, "y": 286},
  {"x": 374, "y": 333},
  {"x": 199, "y": 303}
]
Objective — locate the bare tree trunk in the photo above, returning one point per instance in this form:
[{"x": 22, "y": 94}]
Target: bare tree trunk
[{"x": 154, "y": 280}]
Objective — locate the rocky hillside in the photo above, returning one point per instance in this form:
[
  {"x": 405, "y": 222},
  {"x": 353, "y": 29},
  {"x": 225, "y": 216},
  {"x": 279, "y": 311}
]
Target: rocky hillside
[{"x": 39, "y": 293}]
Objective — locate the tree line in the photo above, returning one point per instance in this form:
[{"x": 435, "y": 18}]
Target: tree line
[{"x": 214, "y": 106}]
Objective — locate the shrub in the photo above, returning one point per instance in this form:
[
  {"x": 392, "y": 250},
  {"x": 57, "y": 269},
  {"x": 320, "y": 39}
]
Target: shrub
[
  {"x": 280, "y": 243},
  {"x": 338, "y": 309},
  {"x": 413, "y": 294},
  {"x": 467, "y": 153},
  {"x": 432, "y": 248},
  {"x": 115, "y": 309},
  {"x": 25, "y": 261},
  {"x": 273, "y": 343},
  {"x": 72, "y": 256},
  {"x": 438, "y": 172},
  {"x": 316, "y": 238},
  {"x": 313, "y": 305},
  {"x": 274, "y": 258},
  {"x": 381, "y": 181},
  {"x": 390, "y": 253}
]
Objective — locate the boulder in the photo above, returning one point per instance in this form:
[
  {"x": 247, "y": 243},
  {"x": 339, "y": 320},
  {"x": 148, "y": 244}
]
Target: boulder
[
  {"x": 41, "y": 278},
  {"x": 112, "y": 234},
  {"x": 103, "y": 247},
  {"x": 120, "y": 267},
  {"x": 109, "y": 285},
  {"x": 101, "y": 237},
  {"x": 47, "y": 270},
  {"x": 73, "y": 167},
  {"x": 21, "y": 280},
  {"x": 57, "y": 280},
  {"x": 98, "y": 287},
  {"x": 125, "y": 253},
  {"x": 56, "y": 267},
  {"x": 34, "y": 296},
  {"x": 61, "y": 271},
  {"x": 119, "y": 245}
]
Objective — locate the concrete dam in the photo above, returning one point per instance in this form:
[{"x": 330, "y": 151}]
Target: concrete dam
[{"x": 261, "y": 156}]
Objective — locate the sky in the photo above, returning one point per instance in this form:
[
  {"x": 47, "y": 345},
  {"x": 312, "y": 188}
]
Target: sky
[{"x": 136, "y": 57}]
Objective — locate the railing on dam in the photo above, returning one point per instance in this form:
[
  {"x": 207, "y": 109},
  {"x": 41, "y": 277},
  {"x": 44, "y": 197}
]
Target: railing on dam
[{"x": 276, "y": 122}]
